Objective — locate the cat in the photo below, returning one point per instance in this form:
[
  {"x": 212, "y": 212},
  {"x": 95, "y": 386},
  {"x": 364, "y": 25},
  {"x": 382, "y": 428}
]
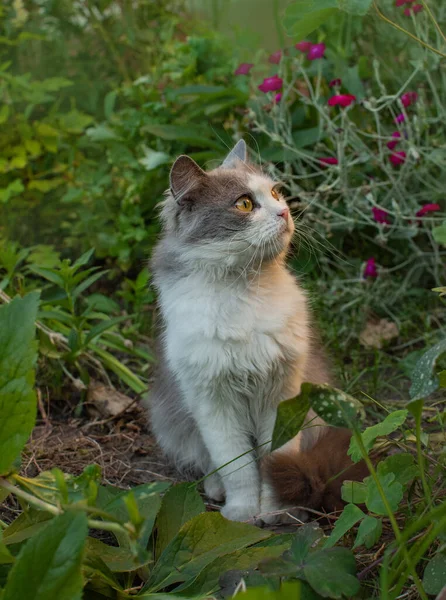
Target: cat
[
  {"x": 313, "y": 478},
  {"x": 236, "y": 336}
]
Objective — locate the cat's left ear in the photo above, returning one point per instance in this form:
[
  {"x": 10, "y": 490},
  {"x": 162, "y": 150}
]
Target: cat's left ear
[{"x": 238, "y": 153}]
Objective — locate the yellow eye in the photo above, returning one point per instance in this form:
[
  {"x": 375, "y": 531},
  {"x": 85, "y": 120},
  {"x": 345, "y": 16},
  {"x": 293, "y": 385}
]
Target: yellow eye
[
  {"x": 244, "y": 204},
  {"x": 275, "y": 194}
]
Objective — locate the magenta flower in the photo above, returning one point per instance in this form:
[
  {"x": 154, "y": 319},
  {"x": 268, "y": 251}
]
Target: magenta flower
[
  {"x": 400, "y": 118},
  {"x": 408, "y": 98},
  {"x": 335, "y": 83},
  {"x": 400, "y": 2},
  {"x": 278, "y": 97},
  {"x": 328, "y": 160},
  {"x": 416, "y": 8},
  {"x": 316, "y": 51},
  {"x": 271, "y": 84},
  {"x": 275, "y": 57},
  {"x": 427, "y": 208},
  {"x": 397, "y": 158},
  {"x": 341, "y": 100},
  {"x": 392, "y": 144},
  {"x": 243, "y": 69},
  {"x": 370, "y": 269},
  {"x": 380, "y": 215},
  {"x": 303, "y": 46}
]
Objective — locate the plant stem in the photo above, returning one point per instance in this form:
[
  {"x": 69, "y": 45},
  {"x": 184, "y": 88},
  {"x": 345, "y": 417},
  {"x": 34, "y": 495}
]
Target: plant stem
[
  {"x": 433, "y": 19},
  {"x": 414, "y": 37}
]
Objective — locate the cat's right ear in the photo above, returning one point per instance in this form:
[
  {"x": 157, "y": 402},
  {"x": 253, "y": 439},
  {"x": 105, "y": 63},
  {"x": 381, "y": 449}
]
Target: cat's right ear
[{"x": 184, "y": 174}]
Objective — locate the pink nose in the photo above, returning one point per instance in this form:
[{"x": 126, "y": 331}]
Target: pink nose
[{"x": 284, "y": 213}]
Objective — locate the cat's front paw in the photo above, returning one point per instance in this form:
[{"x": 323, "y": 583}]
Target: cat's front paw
[{"x": 240, "y": 511}]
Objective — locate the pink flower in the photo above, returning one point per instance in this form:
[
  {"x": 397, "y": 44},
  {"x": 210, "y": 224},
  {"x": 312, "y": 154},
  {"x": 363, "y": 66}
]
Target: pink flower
[
  {"x": 335, "y": 83},
  {"x": 400, "y": 118},
  {"x": 392, "y": 144},
  {"x": 397, "y": 158},
  {"x": 380, "y": 215},
  {"x": 408, "y": 98},
  {"x": 278, "y": 97},
  {"x": 271, "y": 84},
  {"x": 416, "y": 8},
  {"x": 243, "y": 69},
  {"x": 370, "y": 269},
  {"x": 275, "y": 57},
  {"x": 427, "y": 208},
  {"x": 341, "y": 100},
  {"x": 328, "y": 160},
  {"x": 400, "y": 2},
  {"x": 304, "y": 46},
  {"x": 316, "y": 51}
]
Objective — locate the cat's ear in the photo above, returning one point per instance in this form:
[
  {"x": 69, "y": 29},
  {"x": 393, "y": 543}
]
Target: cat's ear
[
  {"x": 183, "y": 175},
  {"x": 238, "y": 153}
]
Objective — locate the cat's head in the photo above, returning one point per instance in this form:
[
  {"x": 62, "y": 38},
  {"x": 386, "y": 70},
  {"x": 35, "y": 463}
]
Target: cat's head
[{"x": 234, "y": 215}]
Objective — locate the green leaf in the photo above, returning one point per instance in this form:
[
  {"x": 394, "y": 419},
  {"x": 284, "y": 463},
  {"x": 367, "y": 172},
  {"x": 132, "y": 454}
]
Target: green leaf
[
  {"x": 439, "y": 234},
  {"x": 200, "y": 541},
  {"x": 49, "y": 565},
  {"x": 86, "y": 283},
  {"x": 354, "y": 491},
  {"x": 434, "y": 578},
  {"x": 151, "y": 159},
  {"x": 4, "y": 113},
  {"x": 6, "y": 557},
  {"x": 393, "y": 491},
  {"x": 26, "y": 525},
  {"x": 349, "y": 517},
  {"x": 369, "y": 532},
  {"x": 15, "y": 188},
  {"x": 332, "y": 573},
  {"x": 18, "y": 351},
  {"x": 49, "y": 274},
  {"x": 306, "y": 137},
  {"x": 109, "y": 103},
  {"x": 390, "y": 424},
  {"x": 104, "y": 326},
  {"x": 180, "y": 504},
  {"x": 118, "y": 560},
  {"x": 304, "y": 16},
  {"x": 289, "y": 420},
  {"x": 193, "y": 135},
  {"x": 246, "y": 558},
  {"x": 304, "y": 540},
  {"x": 442, "y": 379},
  {"x": 102, "y": 133},
  {"x": 424, "y": 380},
  {"x": 289, "y": 590},
  {"x": 355, "y": 7},
  {"x": 401, "y": 465}
]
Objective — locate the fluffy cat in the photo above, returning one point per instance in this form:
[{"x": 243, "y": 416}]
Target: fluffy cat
[
  {"x": 236, "y": 336},
  {"x": 313, "y": 478}
]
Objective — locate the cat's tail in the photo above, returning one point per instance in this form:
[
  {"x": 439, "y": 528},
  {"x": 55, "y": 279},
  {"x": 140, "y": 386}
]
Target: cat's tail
[{"x": 313, "y": 478}]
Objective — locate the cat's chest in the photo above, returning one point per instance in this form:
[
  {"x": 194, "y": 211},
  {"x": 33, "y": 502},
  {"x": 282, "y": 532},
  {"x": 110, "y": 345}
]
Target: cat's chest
[{"x": 227, "y": 328}]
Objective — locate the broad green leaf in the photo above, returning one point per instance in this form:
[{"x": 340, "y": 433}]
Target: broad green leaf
[
  {"x": 246, "y": 558},
  {"x": 369, "y": 532},
  {"x": 17, "y": 357},
  {"x": 104, "y": 326},
  {"x": 393, "y": 491},
  {"x": 192, "y": 134},
  {"x": 6, "y": 557},
  {"x": 49, "y": 565},
  {"x": 304, "y": 540},
  {"x": 439, "y": 234},
  {"x": 390, "y": 424},
  {"x": 289, "y": 590},
  {"x": 14, "y": 188},
  {"x": 442, "y": 379},
  {"x": 424, "y": 380},
  {"x": 180, "y": 504},
  {"x": 118, "y": 560},
  {"x": 349, "y": 517},
  {"x": 306, "y": 137},
  {"x": 401, "y": 465},
  {"x": 434, "y": 578},
  {"x": 304, "y": 16},
  {"x": 152, "y": 159},
  {"x": 102, "y": 133},
  {"x": 354, "y": 491},
  {"x": 355, "y": 7},
  {"x": 49, "y": 274},
  {"x": 26, "y": 525},
  {"x": 289, "y": 420},
  {"x": 199, "y": 542},
  {"x": 332, "y": 573},
  {"x": 46, "y": 185}
]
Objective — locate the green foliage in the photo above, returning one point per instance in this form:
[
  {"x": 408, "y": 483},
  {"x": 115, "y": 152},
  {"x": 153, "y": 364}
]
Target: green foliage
[
  {"x": 390, "y": 424},
  {"x": 424, "y": 380},
  {"x": 49, "y": 566},
  {"x": 434, "y": 578},
  {"x": 334, "y": 406},
  {"x": 17, "y": 358}
]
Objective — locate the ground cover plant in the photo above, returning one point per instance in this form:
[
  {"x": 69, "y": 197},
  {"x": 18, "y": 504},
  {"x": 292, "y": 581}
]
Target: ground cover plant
[{"x": 349, "y": 114}]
